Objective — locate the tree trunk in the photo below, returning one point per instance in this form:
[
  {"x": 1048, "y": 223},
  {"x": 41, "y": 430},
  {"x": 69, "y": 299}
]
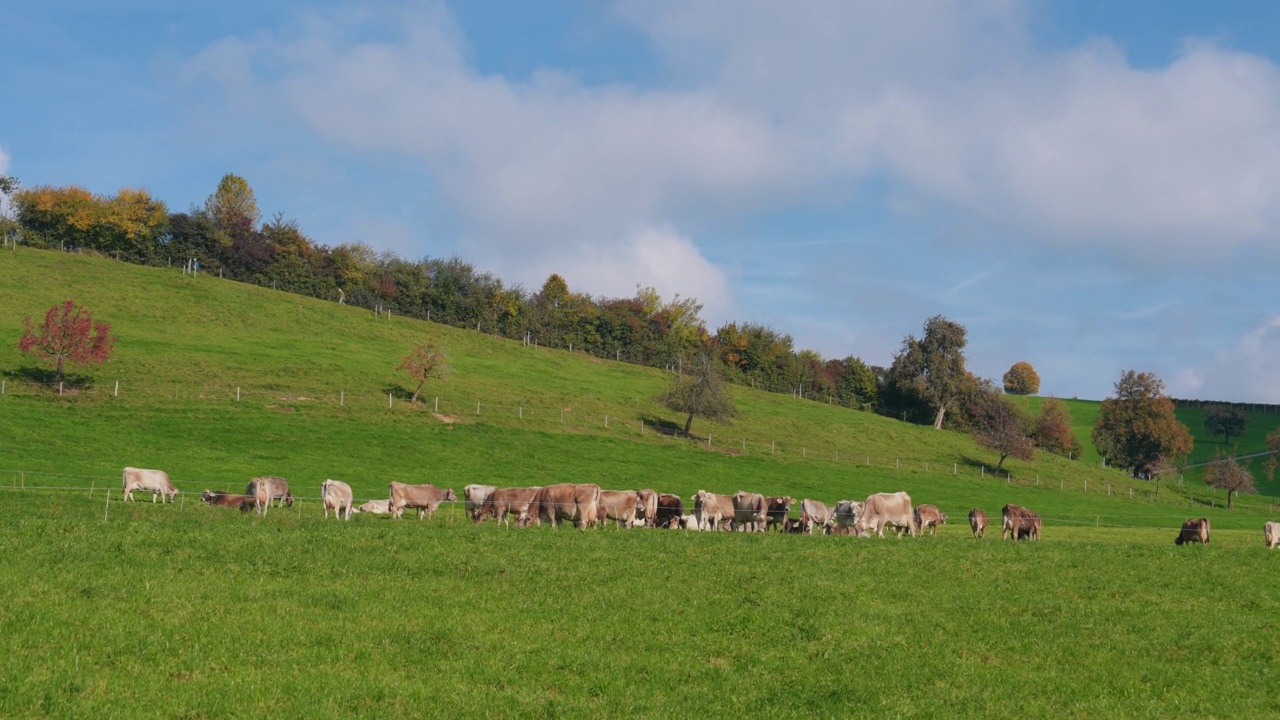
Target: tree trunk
[
  {"x": 687, "y": 424},
  {"x": 414, "y": 399},
  {"x": 937, "y": 420},
  {"x": 1001, "y": 463},
  {"x": 1229, "y": 494}
]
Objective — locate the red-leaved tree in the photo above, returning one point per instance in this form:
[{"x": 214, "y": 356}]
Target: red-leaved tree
[
  {"x": 68, "y": 335},
  {"x": 423, "y": 362}
]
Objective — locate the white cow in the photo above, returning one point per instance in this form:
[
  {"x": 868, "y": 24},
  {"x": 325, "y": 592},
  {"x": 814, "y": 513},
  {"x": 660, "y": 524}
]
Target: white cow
[
  {"x": 473, "y": 497},
  {"x": 336, "y": 496},
  {"x": 1272, "y": 532},
  {"x": 154, "y": 481},
  {"x": 375, "y": 507}
]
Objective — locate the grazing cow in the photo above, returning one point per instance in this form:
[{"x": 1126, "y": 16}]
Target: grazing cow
[
  {"x": 711, "y": 509},
  {"x": 423, "y": 498},
  {"x": 473, "y": 497},
  {"x": 882, "y": 509},
  {"x": 1195, "y": 530},
  {"x": 648, "y": 509},
  {"x": 620, "y": 506},
  {"x": 750, "y": 511},
  {"x": 337, "y": 496},
  {"x": 778, "y": 509},
  {"x": 929, "y": 517},
  {"x": 844, "y": 520},
  {"x": 221, "y": 499},
  {"x": 265, "y": 489},
  {"x": 155, "y": 482},
  {"x": 670, "y": 510},
  {"x": 978, "y": 523},
  {"x": 814, "y": 512},
  {"x": 579, "y": 503},
  {"x": 375, "y": 507},
  {"x": 1271, "y": 531},
  {"x": 1019, "y": 523},
  {"x": 505, "y": 502}
]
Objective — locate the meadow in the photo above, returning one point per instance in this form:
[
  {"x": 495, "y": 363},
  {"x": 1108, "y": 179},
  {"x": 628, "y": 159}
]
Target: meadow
[{"x": 185, "y": 610}]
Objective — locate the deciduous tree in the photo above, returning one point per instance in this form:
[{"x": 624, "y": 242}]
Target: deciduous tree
[
  {"x": 1137, "y": 428},
  {"x": 232, "y": 207},
  {"x": 1000, "y": 426},
  {"x": 423, "y": 362},
  {"x": 1226, "y": 473},
  {"x": 932, "y": 368},
  {"x": 1225, "y": 420},
  {"x": 1052, "y": 430},
  {"x": 1021, "y": 380},
  {"x": 699, "y": 391},
  {"x": 68, "y": 335}
]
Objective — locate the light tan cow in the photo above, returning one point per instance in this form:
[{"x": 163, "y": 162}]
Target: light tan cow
[
  {"x": 375, "y": 507},
  {"x": 1271, "y": 531},
  {"x": 337, "y": 496},
  {"x": 505, "y": 502},
  {"x": 423, "y": 498},
  {"x": 814, "y": 512},
  {"x": 264, "y": 490},
  {"x": 156, "y": 482},
  {"x": 648, "y": 510},
  {"x": 750, "y": 511},
  {"x": 620, "y": 506},
  {"x": 886, "y": 509},
  {"x": 928, "y": 517},
  {"x": 473, "y": 496},
  {"x": 711, "y": 509},
  {"x": 579, "y": 503},
  {"x": 978, "y": 523}
]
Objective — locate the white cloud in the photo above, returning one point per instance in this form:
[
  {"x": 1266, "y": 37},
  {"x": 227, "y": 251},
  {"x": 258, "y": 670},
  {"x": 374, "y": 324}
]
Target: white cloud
[{"x": 1246, "y": 372}]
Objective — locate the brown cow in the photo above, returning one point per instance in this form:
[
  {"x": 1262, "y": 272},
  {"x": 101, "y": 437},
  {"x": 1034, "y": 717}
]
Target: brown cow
[
  {"x": 978, "y": 523},
  {"x": 620, "y": 506},
  {"x": 473, "y": 496},
  {"x": 670, "y": 510},
  {"x": 156, "y": 482},
  {"x": 336, "y": 495},
  {"x": 711, "y": 509},
  {"x": 1194, "y": 531},
  {"x": 424, "y": 498},
  {"x": 505, "y": 502},
  {"x": 750, "y": 511},
  {"x": 1019, "y": 523},
  {"x": 928, "y": 517},
  {"x": 263, "y": 490},
  {"x": 221, "y": 499},
  {"x": 579, "y": 503},
  {"x": 779, "y": 510},
  {"x": 885, "y": 509},
  {"x": 648, "y": 509},
  {"x": 814, "y": 512}
]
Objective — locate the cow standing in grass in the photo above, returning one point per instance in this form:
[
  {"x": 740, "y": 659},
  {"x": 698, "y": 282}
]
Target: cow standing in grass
[
  {"x": 423, "y": 498},
  {"x": 1019, "y": 523},
  {"x": 978, "y": 523},
  {"x": 1271, "y": 531},
  {"x": 336, "y": 495},
  {"x": 156, "y": 482},
  {"x": 264, "y": 490},
  {"x": 1195, "y": 530}
]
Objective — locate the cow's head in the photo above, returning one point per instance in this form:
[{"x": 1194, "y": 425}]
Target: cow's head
[
  {"x": 206, "y": 495},
  {"x": 288, "y": 499}
]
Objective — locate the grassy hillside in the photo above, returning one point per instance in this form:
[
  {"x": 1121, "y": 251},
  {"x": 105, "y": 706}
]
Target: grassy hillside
[{"x": 196, "y": 612}]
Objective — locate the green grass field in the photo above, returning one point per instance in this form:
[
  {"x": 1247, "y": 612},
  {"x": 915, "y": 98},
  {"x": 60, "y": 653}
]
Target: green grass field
[{"x": 190, "y": 611}]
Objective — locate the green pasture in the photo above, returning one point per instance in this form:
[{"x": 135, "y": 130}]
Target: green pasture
[{"x": 185, "y": 610}]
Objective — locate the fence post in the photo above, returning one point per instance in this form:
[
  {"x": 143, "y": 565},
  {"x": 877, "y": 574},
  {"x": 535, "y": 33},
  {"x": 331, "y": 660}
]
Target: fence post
[
  {"x": 388, "y": 400},
  {"x": 2, "y": 382},
  {"x": 1086, "y": 486},
  {"x": 477, "y": 407},
  {"x": 708, "y": 439},
  {"x": 107, "y": 508},
  {"x": 983, "y": 471},
  {"x": 59, "y": 388},
  {"x": 955, "y": 469},
  {"x": 95, "y": 482},
  {"x": 237, "y": 393},
  {"x": 606, "y": 424},
  {"x": 342, "y": 398},
  {"x": 773, "y": 446},
  {"x": 1130, "y": 493},
  {"x": 117, "y": 390},
  {"x": 744, "y": 444},
  {"x": 804, "y": 452},
  {"x": 521, "y": 412},
  {"x": 437, "y": 403}
]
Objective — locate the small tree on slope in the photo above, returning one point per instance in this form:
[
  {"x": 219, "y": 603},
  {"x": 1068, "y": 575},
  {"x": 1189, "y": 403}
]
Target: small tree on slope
[
  {"x": 423, "y": 362},
  {"x": 68, "y": 335}
]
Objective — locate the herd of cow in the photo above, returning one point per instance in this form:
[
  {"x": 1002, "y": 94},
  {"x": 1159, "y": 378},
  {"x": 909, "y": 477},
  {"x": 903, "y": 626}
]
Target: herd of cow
[{"x": 586, "y": 505}]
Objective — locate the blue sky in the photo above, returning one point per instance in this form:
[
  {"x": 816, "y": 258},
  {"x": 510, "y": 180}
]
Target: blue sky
[{"x": 1087, "y": 186}]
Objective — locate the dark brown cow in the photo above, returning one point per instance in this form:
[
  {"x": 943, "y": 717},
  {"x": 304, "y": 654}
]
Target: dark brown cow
[
  {"x": 779, "y": 510},
  {"x": 670, "y": 510},
  {"x": 750, "y": 511},
  {"x": 928, "y": 517},
  {"x": 424, "y": 498},
  {"x": 978, "y": 523},
  {"x": 1019, "y": 523},
  {"x": 221, "y": 499},
  {"x": 579, "y": 503},
  {"x": 793, "y": 526},
  {"x": 504, "y": 502},
  {"x": 1195, "y": 530}
]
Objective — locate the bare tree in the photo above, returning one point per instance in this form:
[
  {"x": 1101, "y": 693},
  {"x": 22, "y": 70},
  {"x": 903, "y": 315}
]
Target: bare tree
[
  {"x": 1228, "y": 474},
  {"x": 699, "y": 391}
]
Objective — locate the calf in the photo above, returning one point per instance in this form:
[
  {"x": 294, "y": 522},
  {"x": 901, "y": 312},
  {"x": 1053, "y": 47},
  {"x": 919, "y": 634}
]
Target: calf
[
  {"x": 1019, "y": 523},
  {"x": 1271, "y": 531},
  {"x": 929, "y": 517},
  {"x": 221, "y": 499},
  {"x": 337, "y": 497},
  {"x": 1193, "y": 531},
  {"x": 978, "y": 523},
  {"x": 155, "y": 482},
  {"x": 423, "y": 498}
]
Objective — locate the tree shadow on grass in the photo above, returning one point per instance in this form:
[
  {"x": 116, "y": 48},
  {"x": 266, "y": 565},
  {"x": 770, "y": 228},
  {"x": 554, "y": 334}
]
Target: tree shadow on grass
[
  {"x": 42, "y": 377},
  {"x": 663, "y": 426}
]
